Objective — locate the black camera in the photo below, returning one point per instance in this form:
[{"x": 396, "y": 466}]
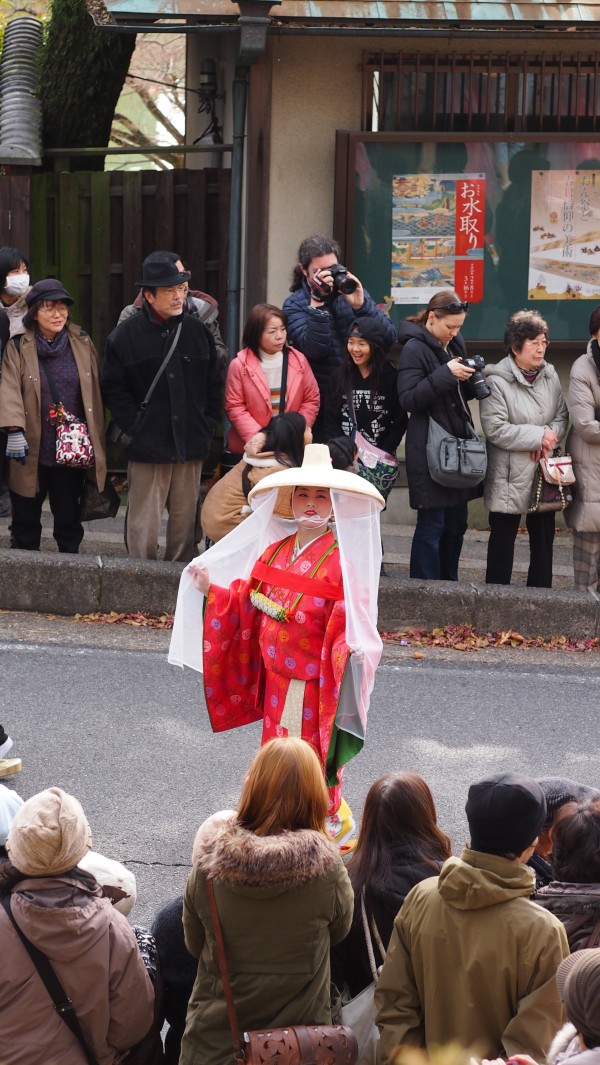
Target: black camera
[
  {"x": 477, "y": 379},
  {"x": 342, "y": 283}
]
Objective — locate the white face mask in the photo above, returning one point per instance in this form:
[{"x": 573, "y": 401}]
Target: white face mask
[
  {"x": 306, "y": 521},
  {"x": 17, "y": 284}
]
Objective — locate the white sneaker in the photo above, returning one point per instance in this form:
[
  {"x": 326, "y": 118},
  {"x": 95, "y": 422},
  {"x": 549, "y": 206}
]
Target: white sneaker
[{"x": 5, "y": 747}]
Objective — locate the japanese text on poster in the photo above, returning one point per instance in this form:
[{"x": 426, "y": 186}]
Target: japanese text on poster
[
  {"x": 564, "y": 239},
  {"x": 438, "y": 228}
]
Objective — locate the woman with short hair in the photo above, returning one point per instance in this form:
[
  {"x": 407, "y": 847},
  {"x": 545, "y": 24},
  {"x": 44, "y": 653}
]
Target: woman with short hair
[
  {"x": 53, "y": 357},
  {"x": 400, "y": 843},
  {"x": 283, "y": 896},
  {"x": 583, "y": 444},
  {"x": 255, "y": 378},
  {"x": 523, "y": 418},
  {"x": 14, "y": 286}
]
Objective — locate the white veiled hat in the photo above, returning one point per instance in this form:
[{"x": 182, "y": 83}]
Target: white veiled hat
[{"x": 316, "y": 471}]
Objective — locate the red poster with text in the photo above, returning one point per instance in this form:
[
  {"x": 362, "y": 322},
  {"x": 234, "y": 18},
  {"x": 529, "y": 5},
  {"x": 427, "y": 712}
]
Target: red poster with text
[{"x": 469, "y": 238}]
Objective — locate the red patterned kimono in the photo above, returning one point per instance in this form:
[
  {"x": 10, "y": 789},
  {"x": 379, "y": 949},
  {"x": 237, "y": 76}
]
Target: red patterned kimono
[{"x": 251, "y": 659}]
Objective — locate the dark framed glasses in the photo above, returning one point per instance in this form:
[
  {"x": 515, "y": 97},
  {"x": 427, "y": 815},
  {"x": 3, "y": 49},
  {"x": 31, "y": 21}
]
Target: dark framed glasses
[{"x": 453, "y": 308}]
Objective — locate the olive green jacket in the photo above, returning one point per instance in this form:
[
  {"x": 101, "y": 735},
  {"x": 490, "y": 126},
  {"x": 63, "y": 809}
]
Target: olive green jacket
[
  {"x": 282, "y": 901},
  {"x": 472, "y": 960}
]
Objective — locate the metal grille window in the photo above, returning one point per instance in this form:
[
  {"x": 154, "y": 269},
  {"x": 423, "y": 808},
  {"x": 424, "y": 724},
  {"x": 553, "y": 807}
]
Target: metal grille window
[{"x": 478, "y": 93}]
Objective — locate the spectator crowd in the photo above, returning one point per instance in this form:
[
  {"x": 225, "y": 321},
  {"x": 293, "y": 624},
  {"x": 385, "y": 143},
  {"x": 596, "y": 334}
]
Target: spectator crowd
[
  {"x": 494, "y": 950},
  {"x": 167, "y": 382}
]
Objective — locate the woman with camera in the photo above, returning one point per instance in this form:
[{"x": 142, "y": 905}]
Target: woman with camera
[
  {"x": 524, "y": 417},
  {"x": 433, "y": 379}
]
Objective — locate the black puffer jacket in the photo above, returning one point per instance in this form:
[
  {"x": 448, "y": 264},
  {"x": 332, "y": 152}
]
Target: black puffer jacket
[
  {"x": 578, "y": 907},
  {"x": 186, "y": 405},
  {"x": 427, "y": 387},
  {"x": 349, "y": 959},
  {"x": 381, "y": 421}
]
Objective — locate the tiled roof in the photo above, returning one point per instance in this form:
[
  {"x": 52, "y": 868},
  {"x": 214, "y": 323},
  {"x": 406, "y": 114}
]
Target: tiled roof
[{"x": 20, "y": 109}]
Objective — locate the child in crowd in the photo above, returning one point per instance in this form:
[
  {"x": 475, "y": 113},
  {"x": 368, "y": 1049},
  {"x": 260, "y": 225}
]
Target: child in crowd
[{"x": 293, "y": 639}]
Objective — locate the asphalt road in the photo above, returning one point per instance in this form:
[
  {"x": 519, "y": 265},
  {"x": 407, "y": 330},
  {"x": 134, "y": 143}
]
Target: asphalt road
[{"x": 99, "y": 712}]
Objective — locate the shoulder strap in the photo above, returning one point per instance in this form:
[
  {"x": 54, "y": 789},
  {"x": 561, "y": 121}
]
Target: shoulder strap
[
  {"x": 351, "y": 411},
  {"x": 62, "y": 1002},
  {"x": 368, "y": 941},
  {"x": 162, "y": 367},
  {"x": 50, "y": 380},
  {"x": 238, "y": 1050},
  {"x": 284, "y": 374},
  {"x": 593, "y": 940}
]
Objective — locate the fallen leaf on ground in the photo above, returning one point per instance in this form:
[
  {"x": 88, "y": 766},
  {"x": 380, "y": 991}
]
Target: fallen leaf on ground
[
  {"x": 139, "y": 620},
  {"x": 464, "y": 638}
]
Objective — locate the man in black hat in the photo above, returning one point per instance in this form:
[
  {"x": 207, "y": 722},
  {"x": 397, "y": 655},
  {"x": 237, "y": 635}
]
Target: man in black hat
[
  {"x": 160, "y": 380},
  {"x": 471, "y": 958}
]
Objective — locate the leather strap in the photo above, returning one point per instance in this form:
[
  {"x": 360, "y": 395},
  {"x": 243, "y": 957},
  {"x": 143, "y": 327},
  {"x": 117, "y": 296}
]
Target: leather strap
[
  {"x": 307, "y": 1050},
  {"x": 283, "y": 390},
  {"x": 238, "y": 1050},
  {"x": 62, "y": 1002}
]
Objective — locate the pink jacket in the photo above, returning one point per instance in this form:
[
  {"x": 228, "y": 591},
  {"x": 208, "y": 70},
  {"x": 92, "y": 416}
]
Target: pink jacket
[{"x": 248, "y": 400}]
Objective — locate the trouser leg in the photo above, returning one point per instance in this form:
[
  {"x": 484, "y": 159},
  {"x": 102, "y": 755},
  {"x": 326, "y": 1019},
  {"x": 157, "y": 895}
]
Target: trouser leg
[
  {"x": 182, "y": 505},
  {"x": 541, "y": 542},
  {"x": 148, "y": 486},
  {"x": 586, "y": 560},
  {"x": 65, "y": 486},
  {"x": 455, "y": 527},
  {"x": 501, "y": 547},
  {"x": 26, "y": 525},
  {"x": 425, "y": 549}
]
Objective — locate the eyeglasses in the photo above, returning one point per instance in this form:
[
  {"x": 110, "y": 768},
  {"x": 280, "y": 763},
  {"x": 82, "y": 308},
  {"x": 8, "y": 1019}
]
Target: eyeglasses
[{"x": 453, "y": 308}]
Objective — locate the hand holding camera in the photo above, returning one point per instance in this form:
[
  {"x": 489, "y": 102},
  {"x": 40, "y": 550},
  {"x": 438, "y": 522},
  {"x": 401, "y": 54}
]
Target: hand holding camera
[
  {"x": 466, "y": 369},
  {"x": 334, "y": 281}
]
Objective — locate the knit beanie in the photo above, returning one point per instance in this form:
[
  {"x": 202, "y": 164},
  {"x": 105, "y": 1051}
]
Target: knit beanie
[
  {"x": 560, "y": 790},
  {"x": 505, "y": 813},
  {"x": 10, "y": 802},
  {"x": 49, "y": 834},
  {"x": 578, "y": 982}
]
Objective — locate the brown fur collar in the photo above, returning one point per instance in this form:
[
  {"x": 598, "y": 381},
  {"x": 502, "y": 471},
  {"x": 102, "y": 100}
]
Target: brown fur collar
[{"x": 226, "y": 851}]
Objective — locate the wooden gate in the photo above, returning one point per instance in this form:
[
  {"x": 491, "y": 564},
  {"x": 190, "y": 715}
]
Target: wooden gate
[{"x": 92, "y": 230}]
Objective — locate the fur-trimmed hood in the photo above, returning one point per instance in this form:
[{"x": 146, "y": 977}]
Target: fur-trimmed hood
[{"x": 227, "y": 852}]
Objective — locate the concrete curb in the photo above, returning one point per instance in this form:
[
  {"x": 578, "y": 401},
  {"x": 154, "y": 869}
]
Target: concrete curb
[{"x": 47, "y": 583}]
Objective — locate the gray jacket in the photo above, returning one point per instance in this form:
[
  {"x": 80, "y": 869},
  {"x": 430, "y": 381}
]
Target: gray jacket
[
  {"x": 583, "y": 443},
  {"x": 513, "y": 419}
]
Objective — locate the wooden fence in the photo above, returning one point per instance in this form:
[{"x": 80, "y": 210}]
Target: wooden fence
[{"x": 92, "y": 230}]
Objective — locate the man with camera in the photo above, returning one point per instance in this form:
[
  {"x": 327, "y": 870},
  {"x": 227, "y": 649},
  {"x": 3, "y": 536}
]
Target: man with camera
[
  {"x": 326, "y": 298},
  {"x": 161, "y": 382}
]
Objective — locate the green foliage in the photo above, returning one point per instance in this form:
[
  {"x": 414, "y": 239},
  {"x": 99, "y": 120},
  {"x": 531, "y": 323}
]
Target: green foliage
[{"x": 82, "y": 72}]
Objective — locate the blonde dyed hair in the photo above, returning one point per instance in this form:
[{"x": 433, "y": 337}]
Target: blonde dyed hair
[{"x": 284, "y": 790}]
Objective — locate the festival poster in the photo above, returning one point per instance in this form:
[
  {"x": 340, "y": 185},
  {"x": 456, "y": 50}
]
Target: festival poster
[
  {"x": 438, "y": 230},
  {"x": 564, "y": 238}
]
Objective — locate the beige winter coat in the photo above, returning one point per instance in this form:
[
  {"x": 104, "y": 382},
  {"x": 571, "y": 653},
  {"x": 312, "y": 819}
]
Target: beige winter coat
[
  {"x": 226, "y": 504},
  {"x": 583, "y": 443},
  {"x": 20, "y": 404},
  {"x": 471, "y": 959},
  {"x": 95, "y": 955},
  {"x": 513, "y": 419}
]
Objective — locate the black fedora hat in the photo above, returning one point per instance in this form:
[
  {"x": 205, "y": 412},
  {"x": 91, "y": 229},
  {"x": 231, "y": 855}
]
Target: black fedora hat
[{"x": 159, "y": 271}]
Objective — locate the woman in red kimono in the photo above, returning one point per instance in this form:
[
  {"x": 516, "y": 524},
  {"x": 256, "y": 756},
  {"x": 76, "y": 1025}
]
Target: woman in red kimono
[{"x": 276, "y": 644}]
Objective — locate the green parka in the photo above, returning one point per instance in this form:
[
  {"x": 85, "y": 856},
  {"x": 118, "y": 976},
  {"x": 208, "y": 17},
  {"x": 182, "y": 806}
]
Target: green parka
[
  {"x": 471, "y": 959},
  {"x": 282, "y": 901}
]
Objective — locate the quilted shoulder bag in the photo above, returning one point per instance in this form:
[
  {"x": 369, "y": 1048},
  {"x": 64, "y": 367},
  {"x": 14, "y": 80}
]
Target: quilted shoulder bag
[
  {"x": 300, "y": 1044},
  {"x": 73, "y": 443}
]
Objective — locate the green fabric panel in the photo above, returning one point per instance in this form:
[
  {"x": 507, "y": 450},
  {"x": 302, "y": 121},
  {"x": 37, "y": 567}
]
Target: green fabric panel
[{"x": 343, "y": 747}]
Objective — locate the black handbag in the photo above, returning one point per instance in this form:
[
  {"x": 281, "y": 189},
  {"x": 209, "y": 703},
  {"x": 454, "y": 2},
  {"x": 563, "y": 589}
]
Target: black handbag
[{"x": 95, "y": 504}]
